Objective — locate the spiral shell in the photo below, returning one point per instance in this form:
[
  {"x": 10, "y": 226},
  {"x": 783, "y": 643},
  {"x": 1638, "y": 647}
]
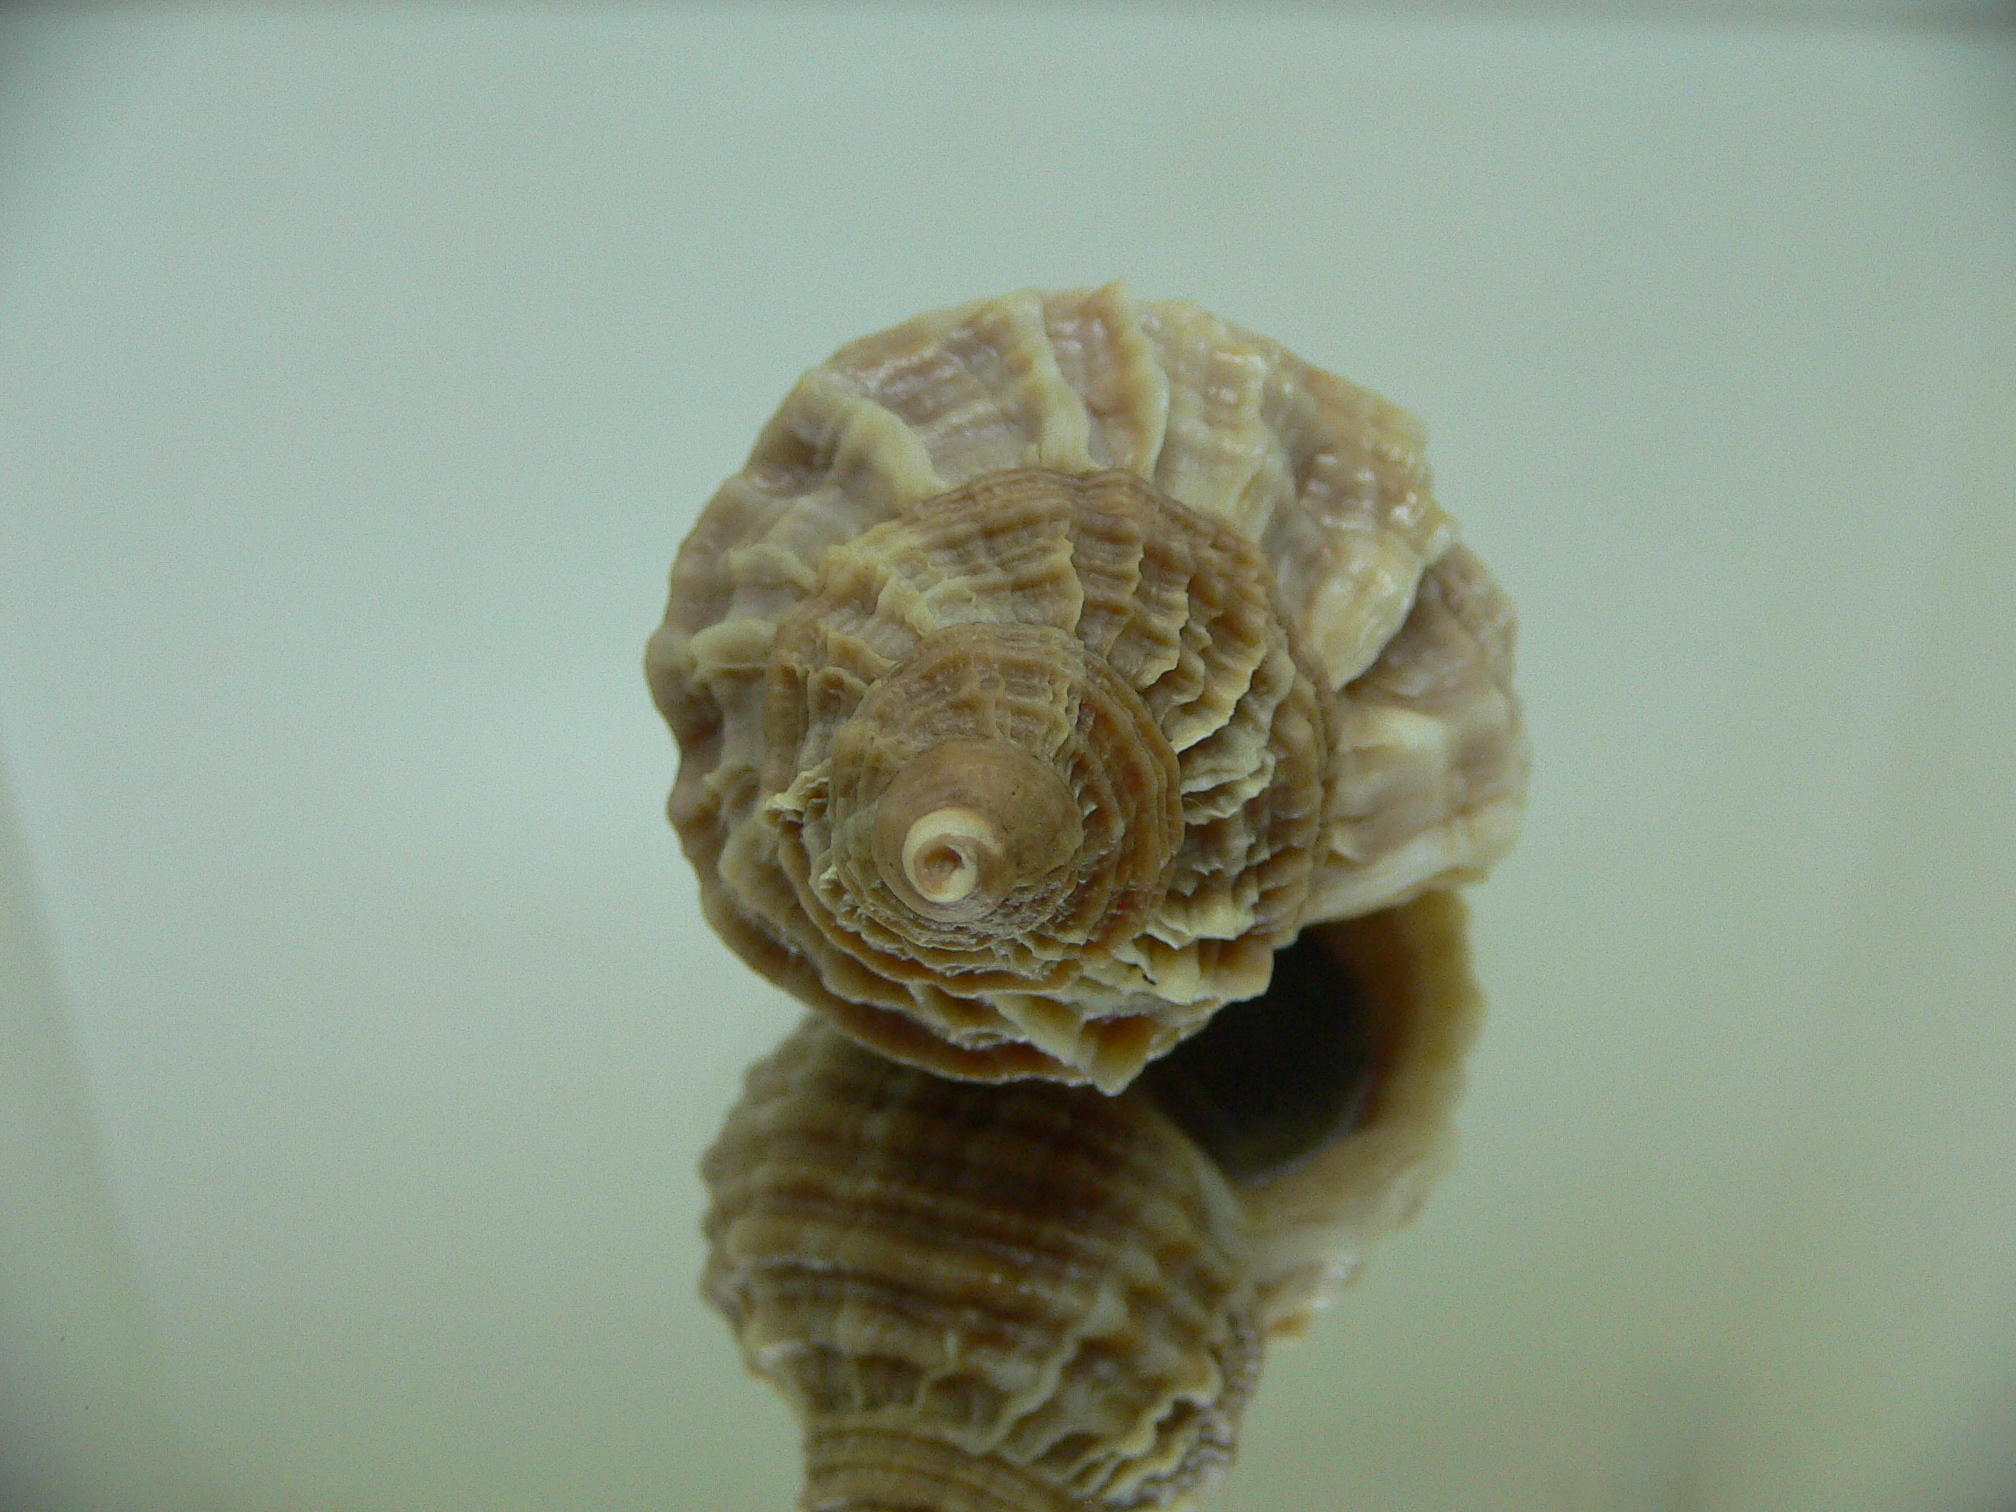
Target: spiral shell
[
  {"x": 1055, "y": 660},
  {"x": 1036, "y": 1298}
]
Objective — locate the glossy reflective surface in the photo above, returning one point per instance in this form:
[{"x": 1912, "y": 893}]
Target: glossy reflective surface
[{"x": 359, "y": 374}]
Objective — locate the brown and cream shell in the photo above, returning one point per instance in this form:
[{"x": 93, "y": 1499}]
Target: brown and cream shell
[
  {"x": 1035, "y": 1298},
  {"x": 1055, "y": 660}
]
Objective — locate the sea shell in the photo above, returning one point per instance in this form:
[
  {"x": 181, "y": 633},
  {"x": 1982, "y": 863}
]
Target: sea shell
[
  {"x": 1036, "y": 1298},
  {"x": 1056, "y": 659}
]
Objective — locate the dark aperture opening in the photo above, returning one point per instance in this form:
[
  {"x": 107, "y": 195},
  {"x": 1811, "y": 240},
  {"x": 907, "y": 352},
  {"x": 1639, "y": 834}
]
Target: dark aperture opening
[{"x": 1274, "y": 1078}]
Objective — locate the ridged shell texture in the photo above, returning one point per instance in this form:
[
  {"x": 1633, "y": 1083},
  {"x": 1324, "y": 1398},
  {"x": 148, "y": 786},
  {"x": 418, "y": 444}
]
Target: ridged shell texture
[{"x": 1054, "y": 661}]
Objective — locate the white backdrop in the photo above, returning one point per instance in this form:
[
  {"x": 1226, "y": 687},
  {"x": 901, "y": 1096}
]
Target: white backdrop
[{"x": 360, "y": 373}]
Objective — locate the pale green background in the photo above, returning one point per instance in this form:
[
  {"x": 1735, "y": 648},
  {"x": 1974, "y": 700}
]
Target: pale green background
[{"x": 359, "y": 374}]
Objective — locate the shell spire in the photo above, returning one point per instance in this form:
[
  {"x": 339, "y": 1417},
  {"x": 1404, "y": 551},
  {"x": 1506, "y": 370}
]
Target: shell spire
[{"x": 1054, "y": 661}]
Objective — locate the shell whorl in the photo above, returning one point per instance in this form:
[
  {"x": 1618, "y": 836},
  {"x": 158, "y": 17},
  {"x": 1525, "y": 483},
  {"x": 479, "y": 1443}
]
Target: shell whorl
[
  {"x": 1071, "y": 751},
  {"x": 1056, "y": 659}
]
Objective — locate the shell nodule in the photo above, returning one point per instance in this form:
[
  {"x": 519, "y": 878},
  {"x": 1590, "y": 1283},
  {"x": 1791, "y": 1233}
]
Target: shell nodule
[{"x": 1054, "y": 661}]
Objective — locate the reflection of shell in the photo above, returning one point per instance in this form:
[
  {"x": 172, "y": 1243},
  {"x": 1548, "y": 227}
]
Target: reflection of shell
[
  {"x": 1056, "y": 659},
  {"x": 1031, "y": 1288},
  {"x": 1034, "y": 1298}
]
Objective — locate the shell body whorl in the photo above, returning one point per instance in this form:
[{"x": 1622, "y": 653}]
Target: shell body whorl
[{"x": 1056, "y": 659}]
